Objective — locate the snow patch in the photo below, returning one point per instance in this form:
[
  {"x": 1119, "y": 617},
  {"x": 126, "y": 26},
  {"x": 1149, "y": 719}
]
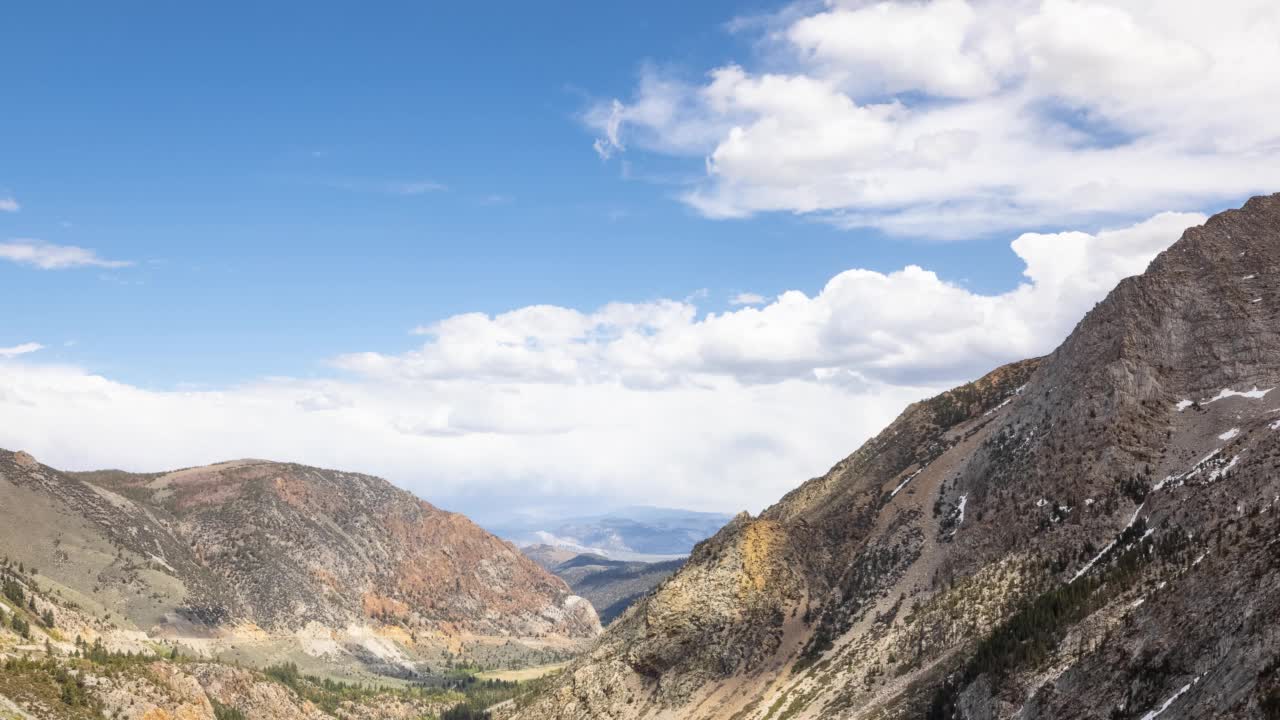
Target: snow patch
[
  {"x": 1224, "y": 393},
  {"x": 1156, "y": 713},
  {"x": 1248, "y": 277},
  {"x": 904, "y": 482},
  {"x": 1222, "y": 472},
  {"x": 1089, "y": 565},
  {"x": 960, "y": 508},
  {"x": 1183, "y": 405},
  {"x": 997, "y": 408},
  {"x": 1229, "y": 434}
]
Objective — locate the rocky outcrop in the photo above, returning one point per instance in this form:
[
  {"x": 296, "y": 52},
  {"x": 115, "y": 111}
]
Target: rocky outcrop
[{"x": 1090, "y": 534}]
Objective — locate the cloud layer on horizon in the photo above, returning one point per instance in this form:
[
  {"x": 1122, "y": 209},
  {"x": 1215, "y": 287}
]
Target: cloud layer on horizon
[{"x": 634, "y": 403}]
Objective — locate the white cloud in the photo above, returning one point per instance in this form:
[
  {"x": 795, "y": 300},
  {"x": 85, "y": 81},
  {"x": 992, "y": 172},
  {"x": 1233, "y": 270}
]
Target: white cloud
[
  {"x": 8, "y": 204},
  {"x": 747, "y": 298},
  {"x": 48, "y": 256},
  {"x": 404, "y": 188},
  {"x": 958, "y": 117},
  {"x": 417, "y": 187},
  {"x": 460, "y": 442},
  {"x": 905, "y": 326},
  {"x": 648, "y": 403},
  {"x": 23, "y": 349}
]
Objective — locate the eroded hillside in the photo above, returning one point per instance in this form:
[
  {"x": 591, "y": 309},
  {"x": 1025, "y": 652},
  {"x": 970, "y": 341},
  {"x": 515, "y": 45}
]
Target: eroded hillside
[{"x": 255, "y": 561}]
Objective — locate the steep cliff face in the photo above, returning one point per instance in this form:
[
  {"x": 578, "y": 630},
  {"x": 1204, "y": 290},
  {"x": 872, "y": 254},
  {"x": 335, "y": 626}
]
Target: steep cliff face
[
  {"x": 1030, "y": 545},
  {"x": 345, "y": 567}
]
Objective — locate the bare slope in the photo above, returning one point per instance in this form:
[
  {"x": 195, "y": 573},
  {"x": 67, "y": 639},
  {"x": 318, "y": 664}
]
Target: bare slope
[
  {"x": 1091, "y": 534},
  {"x": 342, "y": 567}
]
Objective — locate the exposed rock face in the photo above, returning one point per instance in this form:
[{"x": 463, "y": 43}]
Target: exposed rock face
[
  {"x": 339, "y": 564},
  {"x": 59, "y": 662},
  {"x": 1090, "y": 534}
]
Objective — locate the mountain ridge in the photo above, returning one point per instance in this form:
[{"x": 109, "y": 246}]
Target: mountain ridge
[
  {"x": 994, "y": 551},
  {"x": 343, "y": 568}
]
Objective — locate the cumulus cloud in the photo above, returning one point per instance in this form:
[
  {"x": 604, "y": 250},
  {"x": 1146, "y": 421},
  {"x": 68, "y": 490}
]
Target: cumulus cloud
[
  {"x": 920, "y": 118},
  {"x": 23, "y": 349},
  {"x": 48, "y": 256},
  {"x": 631, "y": 403},
  {"x": 904, "y": 326},
  {"x": 462, "y": 443},
  {"x": 8, "y": 204}
]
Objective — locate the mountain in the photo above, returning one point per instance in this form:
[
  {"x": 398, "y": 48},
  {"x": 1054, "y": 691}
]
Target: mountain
[
  {"x": 611, "y": 585},
  {"x": 1092, "y": 534},
  {"x": 60, "y": 661},
  {"x": 635, "y": 533},
  {"x": 261, "y": 561},
  {"x": 548, "y": 556}
]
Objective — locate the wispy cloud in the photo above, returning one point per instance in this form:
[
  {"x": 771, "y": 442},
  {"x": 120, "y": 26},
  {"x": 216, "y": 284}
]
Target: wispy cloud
[
  {"x": 8, "y": 204},
  {"x": 404, "y": 188},
  {"x": 416, "y": 187},
  {"x": 23, "y": 349},
  {"x": 747, "y": 298},
  {"x": 48, "y": 256}
]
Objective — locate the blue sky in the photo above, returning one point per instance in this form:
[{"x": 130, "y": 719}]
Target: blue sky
[
  {"x": 268, "y": 170},
  {"x": 493, "y": 253}
]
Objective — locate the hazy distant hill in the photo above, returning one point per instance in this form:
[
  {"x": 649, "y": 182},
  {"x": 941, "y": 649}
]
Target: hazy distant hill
[
  {"x": 611, "y": 585},
  {"x": 634, "y": 533}
]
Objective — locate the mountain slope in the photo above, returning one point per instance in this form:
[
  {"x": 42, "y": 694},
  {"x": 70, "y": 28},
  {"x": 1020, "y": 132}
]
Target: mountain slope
[
  {"x": 1030, "y": 545},
  {"x": 269, "y": 558},
  {"x": 611, "y": 586}
]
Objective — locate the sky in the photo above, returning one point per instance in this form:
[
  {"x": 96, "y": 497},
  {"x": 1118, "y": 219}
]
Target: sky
[{"x": 571, "y": 257}]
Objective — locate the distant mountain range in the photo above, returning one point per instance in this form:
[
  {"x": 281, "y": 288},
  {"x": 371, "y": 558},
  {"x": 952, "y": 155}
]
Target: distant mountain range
[
  {"x": 612, "y": 586},
  {"x": 647, "y": 534}
]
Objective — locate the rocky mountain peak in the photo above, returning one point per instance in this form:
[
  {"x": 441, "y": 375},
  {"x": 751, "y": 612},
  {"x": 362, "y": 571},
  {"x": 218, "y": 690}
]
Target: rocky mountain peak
[
  {"x": 1028, "y": 545},
  {"x": 24, "y": 459}
]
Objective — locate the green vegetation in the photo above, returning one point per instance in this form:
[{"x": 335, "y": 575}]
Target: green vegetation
[
  {"x": 225, "y": 712},
  {"x": 462, "y": 711},
  {"x": 14, "y": 592},
  {"x": 472, "y": 694},
  {"x": 50, "y": 683},
  {"x": 21, "y": 626},
  {"x": 1030, "y": 635}
]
